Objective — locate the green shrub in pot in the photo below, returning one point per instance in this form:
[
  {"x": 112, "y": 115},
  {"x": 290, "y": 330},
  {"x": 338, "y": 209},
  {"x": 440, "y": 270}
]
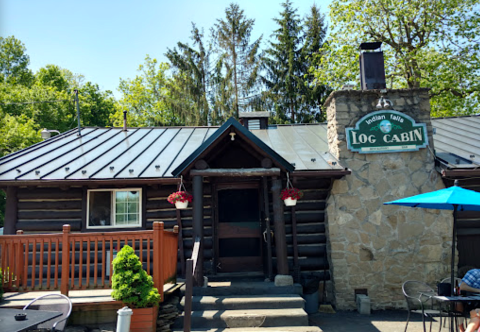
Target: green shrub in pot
[{"x": 130, "y": 282}]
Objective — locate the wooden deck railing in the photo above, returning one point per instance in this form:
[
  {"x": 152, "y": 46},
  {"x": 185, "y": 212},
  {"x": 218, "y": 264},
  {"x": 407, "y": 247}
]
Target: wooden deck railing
[
  {"x": 190, "y": 275},
  {"x": 74, "y": 261}
]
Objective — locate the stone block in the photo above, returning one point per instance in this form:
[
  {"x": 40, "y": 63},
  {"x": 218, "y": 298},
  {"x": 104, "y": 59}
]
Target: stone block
[
  {"x": 363, "y": 304},
  {"x": 283, "y": 280}
]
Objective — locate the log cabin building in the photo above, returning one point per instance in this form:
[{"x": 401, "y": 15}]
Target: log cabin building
[{"x": 102, "y": 179}]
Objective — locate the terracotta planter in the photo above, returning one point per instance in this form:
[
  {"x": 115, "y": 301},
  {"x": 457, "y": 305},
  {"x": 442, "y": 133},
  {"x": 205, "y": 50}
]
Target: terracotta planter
[
  {"x": 181, "y": 205},
  {"x": 144, "y": 320},
  {"x": 290, "y": 202}
]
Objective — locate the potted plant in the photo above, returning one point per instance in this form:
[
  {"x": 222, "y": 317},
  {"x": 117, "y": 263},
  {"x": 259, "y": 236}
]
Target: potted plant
[
  {"x": 180, "y": 199},
  {"x": 134, "y": 287},
  {"x": 290, "y": 196}
]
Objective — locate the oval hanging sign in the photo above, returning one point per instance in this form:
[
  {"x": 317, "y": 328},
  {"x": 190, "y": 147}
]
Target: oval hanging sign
[{"x": 386, "y": 131}]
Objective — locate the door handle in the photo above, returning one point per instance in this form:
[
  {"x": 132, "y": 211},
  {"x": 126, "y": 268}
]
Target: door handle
[{"x": 265, "y": 235}]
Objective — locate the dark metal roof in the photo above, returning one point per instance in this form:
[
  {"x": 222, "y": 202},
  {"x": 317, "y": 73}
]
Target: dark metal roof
[
  {"x": 149, "y": 153},
  {"x": 242, "y": 130},
  {"x": 457, "y": 142}
]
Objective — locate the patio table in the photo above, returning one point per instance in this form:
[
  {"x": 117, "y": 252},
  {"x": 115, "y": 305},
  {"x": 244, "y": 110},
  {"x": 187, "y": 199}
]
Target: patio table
[
  {"x": 34, "y": 317},
  {"x": 452, "y": 300}
]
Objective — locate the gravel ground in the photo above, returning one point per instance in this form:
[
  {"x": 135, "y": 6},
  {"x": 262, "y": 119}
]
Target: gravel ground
[{"x": 385, "y": 321}]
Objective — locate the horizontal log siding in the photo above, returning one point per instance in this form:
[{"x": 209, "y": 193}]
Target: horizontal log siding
[
  {"x": 311, "y": 235},
  {"x": 48, "y": 209},
  {"x": 158, "y": 209}
]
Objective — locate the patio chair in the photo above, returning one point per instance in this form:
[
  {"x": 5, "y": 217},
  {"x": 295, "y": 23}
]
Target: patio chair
[
  {"x": 418, "y": 296},
  {"x": 52, "y": 302}
]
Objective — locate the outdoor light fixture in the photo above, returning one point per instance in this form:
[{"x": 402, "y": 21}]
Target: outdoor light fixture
[
  {"x": 46, "y": 134},
  {"x": 233, "y": 136},
  {"x": 384, "y": 102}
]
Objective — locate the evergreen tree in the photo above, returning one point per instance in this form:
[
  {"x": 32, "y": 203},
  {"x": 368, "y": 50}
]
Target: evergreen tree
[
  {"x": 290, "y": 87},
  {"x": 239, "y": 60},
  {"x": 188, "y": 87},
  {"x": 313, "y": 94},
  {"x": 282, "y": 64}
]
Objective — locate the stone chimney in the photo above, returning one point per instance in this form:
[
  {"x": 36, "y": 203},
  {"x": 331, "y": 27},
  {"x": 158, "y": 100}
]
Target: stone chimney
[{"x": 374, "y": 248}]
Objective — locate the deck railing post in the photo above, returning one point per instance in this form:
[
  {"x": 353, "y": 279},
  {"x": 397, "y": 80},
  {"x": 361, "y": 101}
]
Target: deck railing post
[
  {"x": 158, "y": 251},
  {"x": 19, "y": 257},
  {"x": 65, "y": 259}
]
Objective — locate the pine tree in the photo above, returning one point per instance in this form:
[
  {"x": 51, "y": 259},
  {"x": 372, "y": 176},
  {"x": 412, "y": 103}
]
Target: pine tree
[
  {"x": 314, "y": 95},
  {"x": 188, "y": 88},
  {"x": 290, "y": 87},
  {"x": 238, "y": 59},
  {"x": 282, "y": 64}
]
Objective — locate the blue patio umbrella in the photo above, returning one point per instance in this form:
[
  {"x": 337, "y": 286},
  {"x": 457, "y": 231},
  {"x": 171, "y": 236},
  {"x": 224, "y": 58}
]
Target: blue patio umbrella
[{"x": 454, "y": 198}]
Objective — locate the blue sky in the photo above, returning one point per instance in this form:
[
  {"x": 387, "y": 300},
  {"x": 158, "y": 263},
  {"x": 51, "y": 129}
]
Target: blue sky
[{"x": 105, "y": 40}]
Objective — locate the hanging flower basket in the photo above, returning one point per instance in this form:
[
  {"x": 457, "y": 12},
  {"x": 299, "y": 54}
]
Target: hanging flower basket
[
  {"x": 290, "y": 196},
  {"x": 180, "y": 199}
]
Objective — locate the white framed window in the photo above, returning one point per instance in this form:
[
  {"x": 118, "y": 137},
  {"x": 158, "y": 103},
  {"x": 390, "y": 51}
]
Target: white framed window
[{"x": 114, "y": 208}]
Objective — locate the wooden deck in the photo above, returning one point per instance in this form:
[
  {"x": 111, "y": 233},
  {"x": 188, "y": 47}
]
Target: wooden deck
[{"x": 90, "y": 307}]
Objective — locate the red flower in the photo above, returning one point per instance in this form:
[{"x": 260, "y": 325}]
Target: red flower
[
  {"x": 179, "y": 196},
  {"x": 293, "y": 193}
]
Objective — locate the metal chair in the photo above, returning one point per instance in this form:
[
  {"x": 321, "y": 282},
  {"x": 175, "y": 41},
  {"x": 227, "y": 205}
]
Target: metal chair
[
  {"x": 419, "y": 300},
  {"x": 52, "y": 302},
  {"x": 447, "y": 280},
  {"x": 458, "y": 320}
]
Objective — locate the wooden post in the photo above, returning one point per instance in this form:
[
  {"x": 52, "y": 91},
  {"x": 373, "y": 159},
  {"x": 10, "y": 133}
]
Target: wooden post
[
  {"x": 267, "y": 228},
  {"x": 11, "y": 211},
  {"x": 279, "y": 222},
  {"x": 158, "y": 252},
  {"x": 296, "y": 266},
  {"x": 65, "y": 260},
  {"x": 198, "y": 224},
  {"x": 180, "y": 243},
  {"x": 187, "y": 320}
]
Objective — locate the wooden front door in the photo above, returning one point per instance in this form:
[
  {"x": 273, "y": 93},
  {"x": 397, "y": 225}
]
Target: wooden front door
[{"x": 239, "y": 235}]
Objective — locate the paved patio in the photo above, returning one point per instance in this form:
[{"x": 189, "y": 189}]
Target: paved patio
[{"x": 384, "y": 321}]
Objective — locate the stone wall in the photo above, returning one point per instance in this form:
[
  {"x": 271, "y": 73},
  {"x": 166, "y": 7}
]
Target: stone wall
[{"x": 373, "y": 246}]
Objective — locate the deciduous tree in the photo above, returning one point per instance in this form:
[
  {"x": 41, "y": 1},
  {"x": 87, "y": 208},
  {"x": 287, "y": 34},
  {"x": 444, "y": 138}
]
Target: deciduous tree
[
  {"x": 144, "y": 97},
  {"x": 14, "y": 62},
  {"x": 433, "y": 44}
]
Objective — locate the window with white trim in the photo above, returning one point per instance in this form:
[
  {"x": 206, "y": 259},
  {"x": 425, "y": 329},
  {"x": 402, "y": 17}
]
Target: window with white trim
[{"x": 114, "y": 208}]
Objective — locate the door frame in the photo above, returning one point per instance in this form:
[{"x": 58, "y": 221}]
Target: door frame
[{"x": 219, "y": 186}]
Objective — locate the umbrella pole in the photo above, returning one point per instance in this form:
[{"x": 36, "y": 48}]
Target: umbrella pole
[{"x": 454, "y": 236}]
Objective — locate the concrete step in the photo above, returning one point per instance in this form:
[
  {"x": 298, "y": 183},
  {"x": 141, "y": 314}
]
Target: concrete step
[
  {"x": 261, "y": 329},
  {"x": 245, "y": 288},
  {"x": 246, "y": 318},
  {"x": 274, "y": 301}
]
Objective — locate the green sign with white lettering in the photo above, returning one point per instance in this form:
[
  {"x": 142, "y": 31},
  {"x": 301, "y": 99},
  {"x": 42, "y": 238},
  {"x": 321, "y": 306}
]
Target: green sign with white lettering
[{"x": 386, "y": 131}]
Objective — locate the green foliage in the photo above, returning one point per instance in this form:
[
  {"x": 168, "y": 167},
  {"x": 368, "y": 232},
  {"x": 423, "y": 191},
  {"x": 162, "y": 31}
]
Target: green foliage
[
  {"x": 290, "y": 85},
  {"x": 187, "y": 95},
  {"x": 238, "y": 59},
  {"x": 29, "y": 103},
  {"x": 144, "y": 97},
  {"x": 130, "y": 283},
  {"x": 16, "y": 133},
  {"x": 433, "y": 44},
  {"x": 14, "y": 62}
]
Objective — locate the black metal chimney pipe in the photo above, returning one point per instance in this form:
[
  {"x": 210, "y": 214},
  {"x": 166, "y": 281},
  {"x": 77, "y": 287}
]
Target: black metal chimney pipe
[
  {"x": 124, "y": 120},
  {"x": 372, "y": 66}
]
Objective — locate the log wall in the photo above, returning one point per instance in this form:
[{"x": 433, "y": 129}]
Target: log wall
[
  {"x": 158, "y": 209},
  {"x": 311, "y": 236},
  {"x": 46, "y": 210}
]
